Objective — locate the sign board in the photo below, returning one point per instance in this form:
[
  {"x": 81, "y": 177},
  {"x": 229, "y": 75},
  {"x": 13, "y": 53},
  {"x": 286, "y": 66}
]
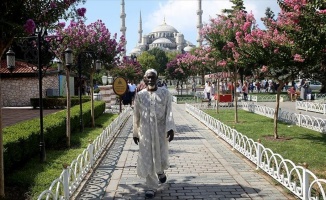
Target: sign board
[{"x": 120, "y": 86}]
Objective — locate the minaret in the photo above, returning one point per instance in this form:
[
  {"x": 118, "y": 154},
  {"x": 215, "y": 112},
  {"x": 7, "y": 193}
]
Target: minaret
[
  {"x": 123, "y": 24},
  {"x": 140, "y": 31},
  {"x": 199, "y": 23}
]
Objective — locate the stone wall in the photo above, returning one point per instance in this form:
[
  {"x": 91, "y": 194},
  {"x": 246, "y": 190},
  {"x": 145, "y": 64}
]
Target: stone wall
[{"x": 18, "y": 91}]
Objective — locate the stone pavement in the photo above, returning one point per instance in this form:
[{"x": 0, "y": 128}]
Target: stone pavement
[{"x": 202, "y": 166}]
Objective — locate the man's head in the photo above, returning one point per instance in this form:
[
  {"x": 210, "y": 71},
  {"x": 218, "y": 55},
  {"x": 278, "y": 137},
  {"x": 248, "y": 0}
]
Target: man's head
[{"x": 150, "y": 78}]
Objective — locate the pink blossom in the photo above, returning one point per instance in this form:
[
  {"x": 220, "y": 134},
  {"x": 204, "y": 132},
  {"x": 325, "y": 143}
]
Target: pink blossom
[
  {"x": 298, "y": 58},
  {"x": 61, "y": 24},
  {"x": 30, "y": 26},
  {"x": 81, "y": 12},
  {"x": 53, "y": 4}
]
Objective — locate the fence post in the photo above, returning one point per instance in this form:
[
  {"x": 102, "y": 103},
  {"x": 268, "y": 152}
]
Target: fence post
[
  {"x": 305, "y": 182},
  {"x": 91, "y": 153},
  {"x": 258, "y": 154},
  {"x": 279, "y": 113},
  {"x": 299, "y": 119},
  {"x": 66, "y": 181},
  {"x": 233, "y": 138},
  {"x": 324, "y": 109}
]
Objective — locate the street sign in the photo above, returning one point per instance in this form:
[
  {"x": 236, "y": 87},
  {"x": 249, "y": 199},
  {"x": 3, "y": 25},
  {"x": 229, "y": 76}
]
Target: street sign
[{"x": 120, "y": 86}]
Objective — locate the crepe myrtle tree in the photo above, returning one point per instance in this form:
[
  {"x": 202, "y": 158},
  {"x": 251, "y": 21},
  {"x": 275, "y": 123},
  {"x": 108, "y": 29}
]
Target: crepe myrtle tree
[
  {"x": 220, "y": 33},
  {"x": 277, "y": 50},
  {"x": 129, "y": 69},
  {"x": 88, "y": 43},
  {"x": 21, "y": 18},
  {"x": 177, "y": 70},
  {"x": 309, "y": 33}
]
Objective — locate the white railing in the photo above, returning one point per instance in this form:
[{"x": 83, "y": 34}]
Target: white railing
[
  {"x": 306, "y": 121},
  {"x": 311, "y": 106},
  {"x": 73, "y": 174},
  {"x": 319, "y": 96},
  {"x": 266, "y": 98},
  {"x": 299, "y": 180}
]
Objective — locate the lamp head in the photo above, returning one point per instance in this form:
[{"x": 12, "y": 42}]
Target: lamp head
[{"x": 10, "y": 60}]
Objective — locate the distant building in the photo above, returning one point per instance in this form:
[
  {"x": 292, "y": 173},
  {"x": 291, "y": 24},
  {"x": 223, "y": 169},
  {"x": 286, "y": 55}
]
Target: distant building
[{"x": 165, "y": 36}]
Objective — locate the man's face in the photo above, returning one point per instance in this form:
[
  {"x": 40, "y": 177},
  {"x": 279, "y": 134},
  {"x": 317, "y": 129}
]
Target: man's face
[{"x": 150, "y": 79}]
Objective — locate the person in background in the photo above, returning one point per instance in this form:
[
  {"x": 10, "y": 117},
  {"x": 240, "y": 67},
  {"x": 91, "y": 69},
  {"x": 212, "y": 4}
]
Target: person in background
[
  {"x": 132, "y": 90},
  {"x": 292, "y": 93},
  {"x": 153, "y": 129},
  {"x": 209, "y": 92},
  {"x": 309, "y": 93},
  {"x": 164, "y": 85},
  {"x": 303, "y": 89},
  {"x": 245, "y": 90}
]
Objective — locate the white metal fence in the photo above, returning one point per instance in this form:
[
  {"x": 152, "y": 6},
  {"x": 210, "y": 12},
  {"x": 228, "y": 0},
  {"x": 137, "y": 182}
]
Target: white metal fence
[
  {"x": 73, "y": 174},
  {"x": 299, "y": 180},
  {"x": 311, "y": 106},
  {"x": 310, "y": 122}
]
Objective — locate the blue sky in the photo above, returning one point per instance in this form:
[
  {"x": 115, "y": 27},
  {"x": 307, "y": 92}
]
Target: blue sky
[{"x": 181, "y": 14}]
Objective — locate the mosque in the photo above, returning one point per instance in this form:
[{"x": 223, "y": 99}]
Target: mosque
[{"x": 164, "y": 36}]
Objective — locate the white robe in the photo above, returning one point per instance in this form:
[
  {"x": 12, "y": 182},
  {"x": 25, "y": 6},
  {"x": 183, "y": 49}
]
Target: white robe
[{"x": 152, "y": 120}]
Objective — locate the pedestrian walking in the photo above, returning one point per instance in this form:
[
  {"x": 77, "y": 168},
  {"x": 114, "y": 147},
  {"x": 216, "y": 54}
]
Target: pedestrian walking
[{"x": 153, "y": 129}]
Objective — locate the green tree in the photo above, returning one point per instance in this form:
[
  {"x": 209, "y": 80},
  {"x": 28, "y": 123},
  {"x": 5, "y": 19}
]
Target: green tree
[
  {"x": 171, "y": 55},
  {"x": 147, "y": 61},
  {"x": 160, "y": 58}
]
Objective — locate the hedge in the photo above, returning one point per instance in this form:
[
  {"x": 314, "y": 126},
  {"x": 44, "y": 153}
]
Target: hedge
[
  {"x": 21, "y": 141},
  {"x": 58, "y": 102}
]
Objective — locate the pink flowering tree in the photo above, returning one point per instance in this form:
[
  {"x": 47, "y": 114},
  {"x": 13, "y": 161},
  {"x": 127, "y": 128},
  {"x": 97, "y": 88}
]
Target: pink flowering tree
[
  {"x": 221, "y": 35},
  {"x": 278, "y": 50},
  {"x": 128, "y": 69},
  {"x": 205, "y": 61},
  {"x": 20, "y": 18},
  {"x": 177, "y": 70},
  {"x": 88, "y": 43},
  {"x": 309, "y": 33}
]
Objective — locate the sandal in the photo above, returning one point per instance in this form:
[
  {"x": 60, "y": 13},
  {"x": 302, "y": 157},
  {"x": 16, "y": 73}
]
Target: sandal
[
  {"x": 162, "y": 177},
  {"x": 149, "y": 194}
]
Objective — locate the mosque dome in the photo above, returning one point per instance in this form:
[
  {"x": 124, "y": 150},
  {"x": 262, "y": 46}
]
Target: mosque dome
[
  {"x": 165, "y": 28},
  {"x": 187, "y": 48},
  {"x": 136, "y": 50},
  {"x": 162, "y": 41}
]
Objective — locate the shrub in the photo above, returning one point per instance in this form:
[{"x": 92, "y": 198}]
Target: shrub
[{"x": 21, "y": 141}]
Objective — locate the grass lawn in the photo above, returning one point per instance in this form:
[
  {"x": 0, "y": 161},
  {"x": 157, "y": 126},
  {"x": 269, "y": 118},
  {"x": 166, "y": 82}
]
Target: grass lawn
[
  {"x": 35, "y": 177},
  {"x": 298, "y": 144}
]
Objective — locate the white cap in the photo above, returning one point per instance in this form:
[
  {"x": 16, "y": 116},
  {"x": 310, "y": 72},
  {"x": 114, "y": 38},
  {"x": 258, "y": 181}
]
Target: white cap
[{"x": 151, "y": 71}]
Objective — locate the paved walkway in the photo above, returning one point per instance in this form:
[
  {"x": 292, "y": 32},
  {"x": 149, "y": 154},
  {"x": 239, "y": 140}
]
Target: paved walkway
[{"x": 202, "y": 167}]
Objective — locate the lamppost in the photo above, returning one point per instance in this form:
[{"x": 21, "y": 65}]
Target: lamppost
[
  {"x": 97, "y": 68},
  {"x": 11, "y": 66}
]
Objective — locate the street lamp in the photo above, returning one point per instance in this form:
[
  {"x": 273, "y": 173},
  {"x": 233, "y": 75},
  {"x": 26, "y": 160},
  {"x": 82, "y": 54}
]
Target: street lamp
[
  {"x": 11, "y": 66},
  {"x": 10, "y": 60},
  {"x": 98, "y": 64}
]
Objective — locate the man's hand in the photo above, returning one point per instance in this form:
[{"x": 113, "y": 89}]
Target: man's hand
[
  {"x": 136, "y": 140},
  {"x": 170, "y": 135}
]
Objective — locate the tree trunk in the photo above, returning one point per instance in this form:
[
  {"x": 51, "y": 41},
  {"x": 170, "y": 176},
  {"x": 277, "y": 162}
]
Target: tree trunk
[
  {"x": 218, "y": 96},
  {"x": 68, "y": 108},
  {"x": 2, "y": 182},
  {"x": 236, "y": 119},
  {"x": 92, "y": 99},
  {"x": 279, "y": 89}
]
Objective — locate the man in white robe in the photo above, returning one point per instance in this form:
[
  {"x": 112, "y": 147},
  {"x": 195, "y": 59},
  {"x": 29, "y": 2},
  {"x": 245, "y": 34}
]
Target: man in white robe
[{"x": 153, "y": 129}]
